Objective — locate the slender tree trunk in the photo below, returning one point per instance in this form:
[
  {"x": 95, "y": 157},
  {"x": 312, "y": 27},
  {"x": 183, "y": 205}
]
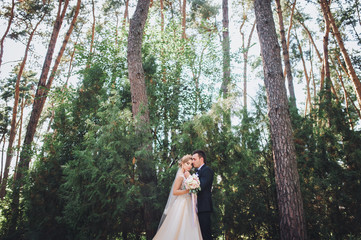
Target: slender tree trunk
[
  {"x": 51, "y": 118},
  {"x": 140, "y": 110},
  {"x": 307, "y": 78},
  {"x": 333, "y": 89},
  {"x": 292, "y": 221},
  {"x": 43, "y": 93},
  {"x": 291, "y": 24},
  {"x": 245, "y": 64},
  {"x": 44, "y": 86},
  {"x": 289, "y": 31},
  {"x": 2, "y": 156},
  {"x": 38, "y": 104},
  {"x": 345, "y": 93},
  {"x": 63, "y": 46},
  {"x": 313, "y": 77},
  {"x": 12, "y": 133},
  {"x": 20, "y": 132},
  {"x": 226, "y": 50},
  {"x": 346, "y": 102},
  {"x": 164, "y": 71},
  {"x": 196, "y": 73},
  {"x": 70, "y": 65},
  {"x": 226, "y": 61},
  {"x": 184, "y": 5},
  {"x": 125, "y": 18},
  {"x": 311, "y": 39},
  {"x": 358, "y": 11},
  {"x": 162, "y": 15},
  {"x": 345, "y": 71},
  {"x": 286, "y": 56},
  {"x": 319, "y": 57},
  {"x": 355, "y": 80},
  {"x": 326, "y": 66},
  {"x": 6, "y": 31},
  {"x": 116, "y": 28},
  {"x": 164, "y": 79},
  {"x": 92, "y": 37}
]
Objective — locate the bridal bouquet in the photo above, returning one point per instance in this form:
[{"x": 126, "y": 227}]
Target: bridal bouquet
[{"x": 193, "y": 184}]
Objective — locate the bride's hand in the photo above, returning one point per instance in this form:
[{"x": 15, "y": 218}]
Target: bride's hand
[{"x": 186, "y": 174}]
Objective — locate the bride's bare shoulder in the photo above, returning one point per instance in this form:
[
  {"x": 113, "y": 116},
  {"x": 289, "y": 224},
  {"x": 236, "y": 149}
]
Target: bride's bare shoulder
[{"x": 180, "y": 175}]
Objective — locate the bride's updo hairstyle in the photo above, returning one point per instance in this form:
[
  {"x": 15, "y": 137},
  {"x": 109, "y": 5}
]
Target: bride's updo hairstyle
[{"x": 184, "y": 159}]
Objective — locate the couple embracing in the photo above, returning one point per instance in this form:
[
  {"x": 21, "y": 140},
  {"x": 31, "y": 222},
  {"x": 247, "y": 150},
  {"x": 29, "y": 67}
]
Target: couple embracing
[{"x": 183, "y": 218}]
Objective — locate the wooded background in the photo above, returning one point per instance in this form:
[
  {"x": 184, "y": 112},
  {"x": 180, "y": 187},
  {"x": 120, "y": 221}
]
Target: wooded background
[{"x": 107, "y": 95}]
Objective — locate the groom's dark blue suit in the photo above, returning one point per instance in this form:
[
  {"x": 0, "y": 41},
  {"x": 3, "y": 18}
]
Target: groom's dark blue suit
[{"x": 204, "y": 201}]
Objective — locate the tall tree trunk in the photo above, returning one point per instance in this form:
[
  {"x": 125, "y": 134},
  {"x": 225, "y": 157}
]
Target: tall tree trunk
[
  {"x": 6, "y": 31},
  {"x": 196, "y": 73},
  {"x": 20, "y": 132},
  {"x": 44, "y": 85},
  {"x": 92, "y": 36},
  {"x": 313, "y": 77},
  {"x": 226, "y": 60},
  {"x": 325, "y": 64},
  {"x": 292, "y": 221},
  {"x": 38, "y": 104},
  {"x": 345, "y": 71},
  {"x": 319, "y": 57},
  {"x": 140, "y": 110},
  {"x": 125, "y": 19},
  {"x": 135, "y": 68},
  {"x": 63, "y": 46},
  {"x": 358, "y": 11},
  {"x": 164, "y": 70},
  {"x": 184, "y": 5},
  {"x": 2, "y": 156},
  {"x": 286, "y": 56},
  {"x": 226, "y": 50},
  {"x": 245, "y": 64},
  {"x": 70, "y": 69},
  {"x": 116, "y": 28},
  {"x": 308, "y": 98},
  {"x": 162, "y": 15},
  {"x": 355, "y": 80},
  {"x": 51, "y": 118},
  {"x": 165, "y": 140},
  {"x": 345, "y": 93},
  {"x": 289, "y": 30},
  {"x": 291, "y": 24},
  {"x": 12, "y": 134},
  {"x": 311, "y": 39}
]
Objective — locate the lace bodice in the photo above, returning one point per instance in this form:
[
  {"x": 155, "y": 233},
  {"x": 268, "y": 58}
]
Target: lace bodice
[{"x": 183, "y": 186}]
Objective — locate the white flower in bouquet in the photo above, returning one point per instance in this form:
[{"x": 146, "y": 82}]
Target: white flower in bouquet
[{"x": 193, "y": 184}]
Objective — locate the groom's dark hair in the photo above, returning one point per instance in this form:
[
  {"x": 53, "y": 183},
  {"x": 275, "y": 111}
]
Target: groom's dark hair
[{"x": 200, "y": 153}]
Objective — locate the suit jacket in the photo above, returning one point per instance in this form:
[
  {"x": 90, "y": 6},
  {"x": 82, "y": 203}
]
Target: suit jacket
[{"x": 204, "y": 197}]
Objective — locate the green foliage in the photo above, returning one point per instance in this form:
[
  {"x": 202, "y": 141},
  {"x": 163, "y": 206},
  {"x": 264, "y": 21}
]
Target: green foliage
[
  {"x": 203, "y": 9},
  {"x": 4, "y": 119},
  {"x": 88, "y": 181},
  {"x": 329, "y": 167},
  {"x": 7, "y": 90},
  {"x": 100, "y": 187}
]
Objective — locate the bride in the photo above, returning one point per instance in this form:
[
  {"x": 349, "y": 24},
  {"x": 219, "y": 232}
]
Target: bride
[{"x": 179, "y": 220}]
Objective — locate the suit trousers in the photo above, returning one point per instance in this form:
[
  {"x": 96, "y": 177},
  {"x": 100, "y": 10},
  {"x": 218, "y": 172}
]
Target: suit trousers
[{"x": 205, "y": 224}]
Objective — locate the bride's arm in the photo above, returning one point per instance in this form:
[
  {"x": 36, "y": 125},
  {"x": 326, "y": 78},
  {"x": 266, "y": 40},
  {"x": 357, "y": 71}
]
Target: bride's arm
[{"x": 177, "y": 187}]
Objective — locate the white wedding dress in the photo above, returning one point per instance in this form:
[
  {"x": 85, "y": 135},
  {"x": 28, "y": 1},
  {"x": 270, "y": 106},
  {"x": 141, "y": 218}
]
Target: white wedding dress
[{"x": 179, "y": 221}]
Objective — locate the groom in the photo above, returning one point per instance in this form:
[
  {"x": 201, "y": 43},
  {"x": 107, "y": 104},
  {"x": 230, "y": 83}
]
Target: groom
[{"x": 204, "y": 198}]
